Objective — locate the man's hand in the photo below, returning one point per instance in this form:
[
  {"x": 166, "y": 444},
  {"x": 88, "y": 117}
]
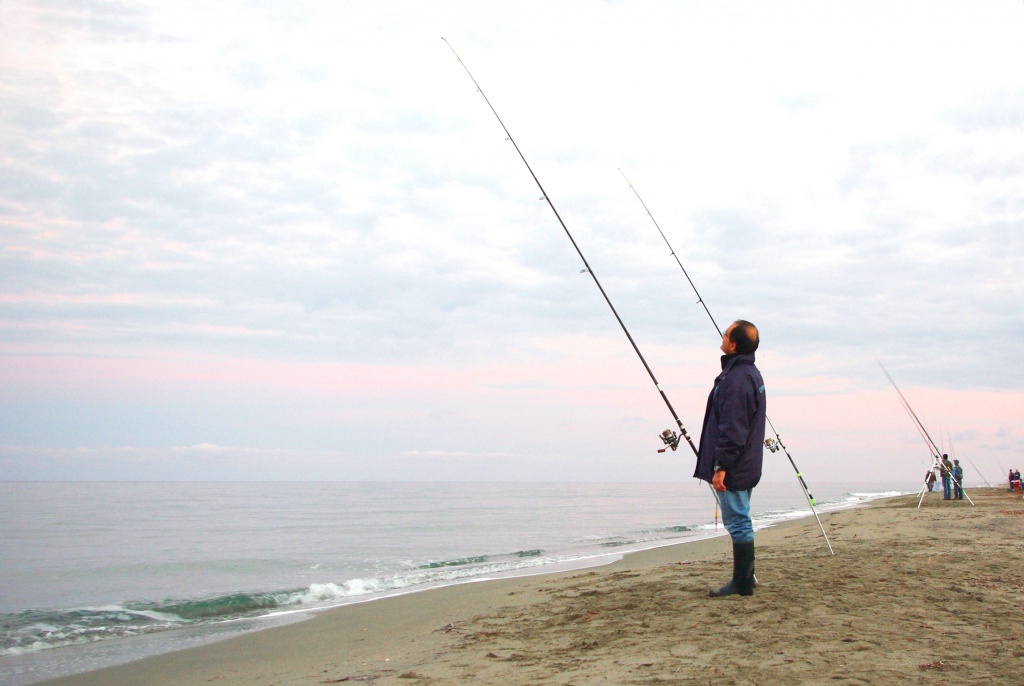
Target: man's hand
[{"x": 718, "y": 482}]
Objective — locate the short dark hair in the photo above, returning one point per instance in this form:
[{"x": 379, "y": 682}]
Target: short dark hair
[{"x": 745, "y": 336}]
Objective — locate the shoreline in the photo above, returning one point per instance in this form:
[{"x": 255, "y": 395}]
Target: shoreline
[
  {"x": 900, "y": 600},
  {"x": 34, "y": 666},
  {"x": 111, "y": 654}
]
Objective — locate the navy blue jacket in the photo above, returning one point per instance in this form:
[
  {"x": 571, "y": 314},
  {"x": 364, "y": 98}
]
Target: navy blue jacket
[{"x": 733, "y": 434}]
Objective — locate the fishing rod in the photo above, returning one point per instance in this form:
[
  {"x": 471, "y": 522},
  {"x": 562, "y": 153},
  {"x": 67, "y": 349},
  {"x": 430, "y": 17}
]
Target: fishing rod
[
  {"x": 669, "y": 437},
  {"x": 774, "y": 445},
  {"x": 924, "y": 432},
  {"x": 1000, "y": 465},
  {"x": 918, "y": 424},
  {"x": 979, "y": 471},
  {"x": 936, "y": 454},
  {"x": 949, "y": 437},
  {"x": 936, "y": 460}
]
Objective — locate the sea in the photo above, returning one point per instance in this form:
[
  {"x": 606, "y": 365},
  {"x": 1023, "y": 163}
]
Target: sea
[{"x": 98, "y": 574}]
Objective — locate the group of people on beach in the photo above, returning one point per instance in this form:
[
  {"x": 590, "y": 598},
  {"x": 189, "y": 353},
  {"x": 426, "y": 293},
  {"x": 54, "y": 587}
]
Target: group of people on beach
[
  {"x": 1014, "y": 477},
  {"x": 952, "y": 475}
]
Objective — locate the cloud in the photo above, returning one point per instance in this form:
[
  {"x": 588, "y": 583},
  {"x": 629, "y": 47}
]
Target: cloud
[
  {"x": 321, "y": 187},
  {"x": 94, "y": 21}
]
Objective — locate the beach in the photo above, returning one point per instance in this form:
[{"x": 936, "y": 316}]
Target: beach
[{"x": 932, "y": 595}]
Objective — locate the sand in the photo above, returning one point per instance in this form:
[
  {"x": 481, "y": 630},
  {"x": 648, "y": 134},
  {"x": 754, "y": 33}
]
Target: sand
[{"x": 912, "y": 596}]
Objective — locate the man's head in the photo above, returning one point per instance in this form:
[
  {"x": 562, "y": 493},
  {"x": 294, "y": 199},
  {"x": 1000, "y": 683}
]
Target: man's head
[{"x": 741, "y": 337}]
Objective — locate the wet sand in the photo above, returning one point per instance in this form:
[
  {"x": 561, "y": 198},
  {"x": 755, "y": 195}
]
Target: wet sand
[{"x": 912, "y": 596}]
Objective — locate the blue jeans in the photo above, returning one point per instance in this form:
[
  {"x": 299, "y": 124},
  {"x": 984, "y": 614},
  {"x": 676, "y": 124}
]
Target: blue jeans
[
  {"x": 736, "y": 515},
  {"x": 946, "y": 487}
]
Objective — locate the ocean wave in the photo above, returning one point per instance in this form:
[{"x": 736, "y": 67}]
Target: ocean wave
[
  {"x": 458, "y": 562},
  {"x": 479, "y": 559},
  {"x": 862, "y": 497},
  {"x": 34, "y": 630}
]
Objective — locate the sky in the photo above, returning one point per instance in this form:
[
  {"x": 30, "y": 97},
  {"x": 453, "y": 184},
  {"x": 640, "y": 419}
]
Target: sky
[{"x": 289, "y": 240}]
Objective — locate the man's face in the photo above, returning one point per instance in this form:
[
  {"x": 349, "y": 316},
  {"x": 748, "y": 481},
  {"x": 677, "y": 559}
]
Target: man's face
[{"x": 728, "y": 346}]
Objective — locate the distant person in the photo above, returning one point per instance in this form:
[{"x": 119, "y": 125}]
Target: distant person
[
  {"x": 958, "y": 480},
  {"x": 1009, "y": 478},
  {"x": 947, "y": 472},
  {"x": 929, "y": 479},
  {"x": 732, "y": 447}
]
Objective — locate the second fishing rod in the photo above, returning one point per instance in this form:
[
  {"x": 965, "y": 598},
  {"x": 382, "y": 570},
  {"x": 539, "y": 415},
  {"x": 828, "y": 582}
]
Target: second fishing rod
[
  {"x": 775, "y": 444},
  {"x": 669, "y": 437},
  {"x": 936, "y": 452}
]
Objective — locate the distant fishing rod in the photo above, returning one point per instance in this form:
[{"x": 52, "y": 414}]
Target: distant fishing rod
[
  {"x": 935, "y": 451},
  {"x": 949, "y": 437},
  {"x": 937, "y": 454},
  {"x": 669, "y": 437},
  {"x": 775, "y": 444}
]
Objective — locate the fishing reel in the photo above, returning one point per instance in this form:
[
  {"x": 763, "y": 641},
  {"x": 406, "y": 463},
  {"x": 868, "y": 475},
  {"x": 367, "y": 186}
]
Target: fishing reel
[
  {"x": 671, "y": 440},
  {"x": 772, "y": 445}
]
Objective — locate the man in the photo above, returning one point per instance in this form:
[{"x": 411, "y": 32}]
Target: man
[
  {"x": 947, "y": 474},
  {"x": 958, "y": 480},
  {"x": 732, "y": 445}
]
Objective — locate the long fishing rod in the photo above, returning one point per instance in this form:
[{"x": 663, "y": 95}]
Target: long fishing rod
[
  {"x": 1000, "y": 465},
  {"x": 772, "y": 445},
  {"x": 918, "y": 424},
  {"x": 936, "y": 453},
  {"x": 669, "y": 437},
  {"x": 936, "y": 457},
  {"x": 924, "y": 432},
  {"x": 978, "y": 470},
  {"x": 949, "y": 437}
]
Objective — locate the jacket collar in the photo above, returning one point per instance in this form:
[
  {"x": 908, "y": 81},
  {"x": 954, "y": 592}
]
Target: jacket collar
[{"x": 729, "y": 361}]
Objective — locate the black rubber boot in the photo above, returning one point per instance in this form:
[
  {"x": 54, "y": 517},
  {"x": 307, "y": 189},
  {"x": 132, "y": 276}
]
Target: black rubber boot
[{"x": 742, "y": 582}]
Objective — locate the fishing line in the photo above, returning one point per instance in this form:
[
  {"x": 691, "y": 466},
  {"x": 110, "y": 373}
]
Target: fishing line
[
  {"x": 775, "y": 444},
  {"x": 668, "y": 437},
  {"x": 952, "y": 452},
  {"x": 937, "y": 455}
]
